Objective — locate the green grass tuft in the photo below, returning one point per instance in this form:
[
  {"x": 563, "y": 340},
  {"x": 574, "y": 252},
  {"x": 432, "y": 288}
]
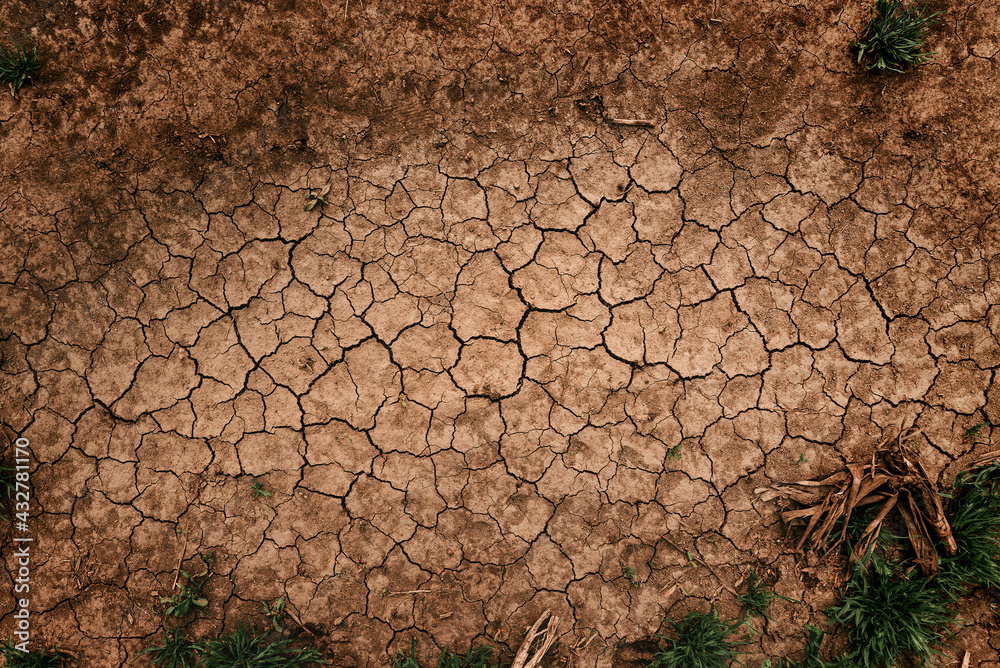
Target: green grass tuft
[
  {"x": 476, "y": 657},
  {"x": 39, "y": 658},
  {"x": 702, "y": 642},
  {"x": 177, "y": 651},
  {"x": 18, "y": 65},
  {"x": 975, "y": 524},
  {"x": 888, "y": 612},
  {"x": 245, "y": 649},
  {"x": 894, "y": 36}
]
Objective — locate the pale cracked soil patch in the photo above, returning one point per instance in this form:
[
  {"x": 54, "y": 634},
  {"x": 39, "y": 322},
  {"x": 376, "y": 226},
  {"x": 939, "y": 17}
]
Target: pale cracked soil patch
[{"x": 467, "y": 372}]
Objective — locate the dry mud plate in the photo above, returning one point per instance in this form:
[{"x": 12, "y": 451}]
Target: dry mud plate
[{"x": 520, "y": 354}]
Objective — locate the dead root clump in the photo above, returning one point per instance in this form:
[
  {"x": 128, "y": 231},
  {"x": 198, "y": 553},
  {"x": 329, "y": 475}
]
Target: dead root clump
[{"x": 894, "y": 482}]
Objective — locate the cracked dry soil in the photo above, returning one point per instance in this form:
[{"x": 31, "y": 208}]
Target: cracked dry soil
[{"x": 468, "y": 370}]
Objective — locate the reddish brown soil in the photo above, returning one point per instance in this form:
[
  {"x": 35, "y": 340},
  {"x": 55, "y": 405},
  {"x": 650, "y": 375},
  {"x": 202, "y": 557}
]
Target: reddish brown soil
[{"x": 465, "y": 372}]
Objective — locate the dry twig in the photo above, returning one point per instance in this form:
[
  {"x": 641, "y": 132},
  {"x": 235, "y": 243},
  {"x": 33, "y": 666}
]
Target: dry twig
[
  {"x": 982, "y": 460},
  {"x": 549, "y": 634},
  {"x": 177, "y": 571},
  {"x": 295, "y": 618},
  {"x": 594, "y": 106},
  {"x": 412, "y": 591},
  {"x": 691, "y": 555},
  {"x": 633, "y": 122}
]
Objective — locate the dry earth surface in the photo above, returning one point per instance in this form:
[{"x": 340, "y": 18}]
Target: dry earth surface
[{"x": 468, "y": 372}]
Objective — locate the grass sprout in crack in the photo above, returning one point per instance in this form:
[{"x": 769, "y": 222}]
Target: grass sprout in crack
[
  {"x": 758, "y": 598},
  {"x": 258, "y": 491},
  {"x": 893, "y": 37},
  {"x": 976, "y": 430},
  {"x": 629, "y": 574},
  {"x": 702, "y": 641},
  {"x": 189, "y": 596},
  {"x": 275, "y": 613},
  {"x": 17, "y": 66},
  {"x": 312, "y": 199}
]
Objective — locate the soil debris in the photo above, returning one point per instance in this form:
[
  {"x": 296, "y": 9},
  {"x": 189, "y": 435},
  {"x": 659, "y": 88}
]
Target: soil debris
[{"x": 894, "y": 478}]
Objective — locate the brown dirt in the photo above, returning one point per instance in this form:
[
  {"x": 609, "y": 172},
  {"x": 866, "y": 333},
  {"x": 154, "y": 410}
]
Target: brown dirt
[{"x": 465, "y": 371}]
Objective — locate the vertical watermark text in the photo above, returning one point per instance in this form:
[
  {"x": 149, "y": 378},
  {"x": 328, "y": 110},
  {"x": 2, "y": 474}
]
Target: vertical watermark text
[{"x": 21, "y": 567}]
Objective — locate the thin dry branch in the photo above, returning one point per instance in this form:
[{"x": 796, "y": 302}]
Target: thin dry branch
[
  {"x": 412, "y": 591},
  {"x": 633, "y": 122},
  {"x": 692, "y": 555},
  {"x": 177, "y": 571},
  {"x": 982, "y": 460},
  {"x": 548, "y": 635},
  {"x": 295, "y": 618}
]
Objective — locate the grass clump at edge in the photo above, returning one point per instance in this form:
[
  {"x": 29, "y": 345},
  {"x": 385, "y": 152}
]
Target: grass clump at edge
[
  {"x": 888, "y": 612},
  {"x": 8, "y": 484},
  {"x": 244, "y": 648},
  {"x": 893, "y": 37},
  {"x": 476, "y": 657},
  {"x": 976, "y": 526},
  {"x": 18, "y": 65},
  {"x": 39, "y": 658},
  {"x": 403, "y": 660},
  {"x": 703, "y": 641}
]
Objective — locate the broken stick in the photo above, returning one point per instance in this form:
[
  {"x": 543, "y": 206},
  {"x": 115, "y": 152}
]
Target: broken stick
[
  {"x": 295, "y": 618},
  {"x": 704, "y": 563},
  {"x": 177, "y": 571},
  {"x": 549, "y": 633},
  {"x": 633, "y": 122},
  {"x": 412, "y": 591}
]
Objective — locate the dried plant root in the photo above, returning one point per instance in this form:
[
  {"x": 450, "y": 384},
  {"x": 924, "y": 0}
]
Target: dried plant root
[{"x": 894, "y": 478}]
